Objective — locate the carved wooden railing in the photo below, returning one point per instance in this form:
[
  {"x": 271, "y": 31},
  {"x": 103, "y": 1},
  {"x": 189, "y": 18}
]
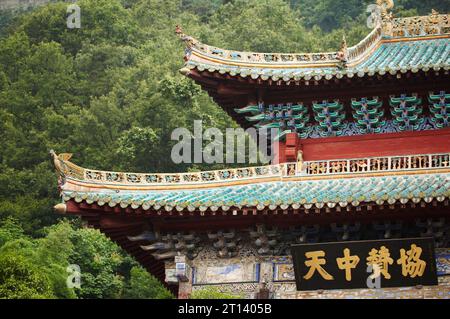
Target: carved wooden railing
[
  {"x": 377, "y": 164},
  {"x": 433, "y": 24},
  {"x": 257, "y": 57},
  {"x": 286, "y": 170}
]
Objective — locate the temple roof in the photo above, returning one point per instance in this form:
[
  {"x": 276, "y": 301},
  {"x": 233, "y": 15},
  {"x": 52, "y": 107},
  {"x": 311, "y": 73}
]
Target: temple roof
[
  {"x": 297, "y": 185},
  {"x": 388, "y": 57},
  {"x": 273, "y": 195},
  {"x": 394, "y": 46}
]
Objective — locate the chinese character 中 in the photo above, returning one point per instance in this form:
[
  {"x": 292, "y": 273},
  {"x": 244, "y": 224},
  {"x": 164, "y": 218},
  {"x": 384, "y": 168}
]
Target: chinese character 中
[
  {"x": 315, "y": 263},
  {"x": 348, "y": 263},
  {"x": 411, "y": 263},
  {"x": 380, "y": 259}
]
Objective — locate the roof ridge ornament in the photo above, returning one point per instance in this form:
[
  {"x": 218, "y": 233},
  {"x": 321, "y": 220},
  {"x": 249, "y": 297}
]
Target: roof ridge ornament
[
  {"x": 386, "y": 16},
  {"x": 386, "y": 7},
  {"x": 188, "y": 40},
  {"x": 64, "y": 167},
  {"x": 342, "y": 55},
  {"x": 58, "y": 158},
  {"x": 434, "y": 17}
]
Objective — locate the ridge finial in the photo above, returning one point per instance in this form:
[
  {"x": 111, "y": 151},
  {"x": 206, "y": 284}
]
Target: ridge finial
[
  {"x": 342, "y": 55},
  {"x": 188, "y": 40},
  {"x": 385, "y": 6},
  {"x": 178, "y": 30}
]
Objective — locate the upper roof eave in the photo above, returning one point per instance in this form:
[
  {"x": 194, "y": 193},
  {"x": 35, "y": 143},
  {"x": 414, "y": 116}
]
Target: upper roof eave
[{"x": 346, "y": 62}]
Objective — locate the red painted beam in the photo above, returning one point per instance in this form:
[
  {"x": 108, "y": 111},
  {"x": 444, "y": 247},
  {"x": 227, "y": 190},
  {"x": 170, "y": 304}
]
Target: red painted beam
[{"x": 372, "y": 145}]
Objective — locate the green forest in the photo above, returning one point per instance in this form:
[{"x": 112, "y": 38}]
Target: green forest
[{"x": 110, "y": 93}]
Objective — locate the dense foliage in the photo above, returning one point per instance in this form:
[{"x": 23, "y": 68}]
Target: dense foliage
[
  {"x": 37, "y": 267},
  {"x": 213, "y": 293},
  {"x": 111, "y": 94}
]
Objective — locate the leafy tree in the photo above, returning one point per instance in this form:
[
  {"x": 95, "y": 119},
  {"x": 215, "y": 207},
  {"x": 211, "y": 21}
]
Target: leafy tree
[
  {"x": 10, "y": 230},
  {"x": 102, "y": 21},
  {"x": 212, "y": 293},
  {"x": 20, "y": 279},
  {"x": 203, "y": 8},
  {"x": 241, "y": 23},
  {"x": 99, "y": 259},
  {"x": 49, "y": 255},
  {"x": 52, "y": 254},
  {"x": 136, "y": 142},
  {"x": 144, "y": 286},
  {"x": 423, "y": 7}
]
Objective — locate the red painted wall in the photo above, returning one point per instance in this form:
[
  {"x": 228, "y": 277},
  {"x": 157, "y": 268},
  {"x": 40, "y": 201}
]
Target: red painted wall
[{"x": 424, "y": 142}]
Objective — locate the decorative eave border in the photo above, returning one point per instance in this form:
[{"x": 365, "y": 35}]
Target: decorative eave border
[
  {"x": 333, "y": 201},
  {"x": 76, "y": 178},
  {"x": 76, "y": 184},
  {"x": 316, "y": 73},
  {"x": 315, "y": 66}
]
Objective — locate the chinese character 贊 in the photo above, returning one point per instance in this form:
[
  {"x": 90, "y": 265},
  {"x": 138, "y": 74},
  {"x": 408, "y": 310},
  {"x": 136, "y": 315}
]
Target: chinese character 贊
[{"x": 380, "y": 261}]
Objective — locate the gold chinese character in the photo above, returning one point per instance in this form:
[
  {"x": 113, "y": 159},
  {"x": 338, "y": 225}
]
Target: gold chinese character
[
  {"x": 348, "y": 263},
  {"x": 316, "y": 263},
  {"x": 411, "y": 263},
  {"x": 380, "y": 261}
]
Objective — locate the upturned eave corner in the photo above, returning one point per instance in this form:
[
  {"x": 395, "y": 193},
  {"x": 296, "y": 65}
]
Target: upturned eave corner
[
  {"x": 59, "y": 160},
  {"x": 56, "y": 161},
  {"x": 60, "y": 208},
  {"x": 189, "y": 42}
]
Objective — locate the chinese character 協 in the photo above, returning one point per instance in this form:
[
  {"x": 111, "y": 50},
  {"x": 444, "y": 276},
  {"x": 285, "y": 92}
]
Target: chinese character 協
[{"x": 411, "y": 263}]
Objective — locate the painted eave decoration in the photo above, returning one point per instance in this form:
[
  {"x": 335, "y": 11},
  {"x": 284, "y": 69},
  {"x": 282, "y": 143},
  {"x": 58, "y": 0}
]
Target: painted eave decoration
[
  {"x": 306, "y": 185},
  {"x": 395, "y": 46}
]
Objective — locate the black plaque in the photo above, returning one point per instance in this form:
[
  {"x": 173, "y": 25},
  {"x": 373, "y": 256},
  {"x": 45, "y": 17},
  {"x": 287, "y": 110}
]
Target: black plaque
[{"x": 332, "y": 270}]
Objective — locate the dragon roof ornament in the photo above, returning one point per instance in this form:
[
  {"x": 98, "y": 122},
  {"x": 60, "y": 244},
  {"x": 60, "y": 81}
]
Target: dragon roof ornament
[
  {"x": 188, "y": 40},
  {"x": 385, "y": 7}
]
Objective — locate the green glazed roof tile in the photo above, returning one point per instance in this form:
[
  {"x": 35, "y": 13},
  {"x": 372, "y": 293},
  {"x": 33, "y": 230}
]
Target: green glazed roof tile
[
  {"x": 390, "y": 57},
  {"x": 281, "y": 193}
]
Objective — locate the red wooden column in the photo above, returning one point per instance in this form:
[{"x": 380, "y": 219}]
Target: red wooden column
[
  {"x": 292, "y": 147},
  {"x": 286, "y": 151}
]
